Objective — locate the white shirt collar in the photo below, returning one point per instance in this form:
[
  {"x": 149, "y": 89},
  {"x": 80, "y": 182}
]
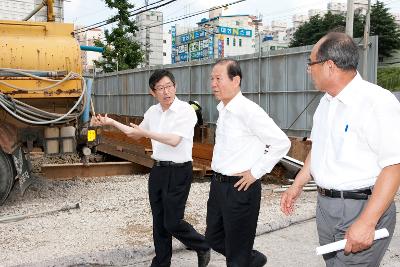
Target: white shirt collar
[
  {"x": 346, "y": 96},
  {"x": 234, "y": 105},
  {"x": 174, "y": 106}
]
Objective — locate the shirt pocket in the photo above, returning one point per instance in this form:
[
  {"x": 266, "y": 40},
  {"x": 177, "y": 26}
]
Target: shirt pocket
[
  {"x": 348, "y": 148},
  {"x": 234, "y": 138}
]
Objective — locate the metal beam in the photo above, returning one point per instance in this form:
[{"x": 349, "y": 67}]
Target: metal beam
[{"x": 69, "y": 171}]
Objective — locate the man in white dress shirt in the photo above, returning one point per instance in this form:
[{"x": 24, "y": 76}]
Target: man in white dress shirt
[
  {"x": 248, "y": 144},
  {"x": 354, "y": 158},
  {"x": 170, "y": 126}
]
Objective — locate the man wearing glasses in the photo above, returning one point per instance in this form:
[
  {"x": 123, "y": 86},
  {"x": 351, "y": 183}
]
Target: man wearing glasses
[
  {"x": 355, "y": 156},
  {"x": 170, "y": 126}
]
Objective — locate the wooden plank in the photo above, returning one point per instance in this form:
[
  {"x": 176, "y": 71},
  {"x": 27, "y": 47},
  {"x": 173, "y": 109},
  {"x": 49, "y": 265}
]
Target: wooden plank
[
  {"x": 203, "y": 151},
  {"x": 144, "y": 160},
  {"x": 136, "y": 148},
  {"x": 120, "y": 136}
]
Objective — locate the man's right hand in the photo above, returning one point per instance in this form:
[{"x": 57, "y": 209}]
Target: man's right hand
[
  {"x": 288, "y": 199},
  {"x": 99, "y": 120}
]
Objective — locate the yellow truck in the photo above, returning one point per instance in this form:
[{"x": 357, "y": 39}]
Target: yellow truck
[{"x": 44, "y": 100}]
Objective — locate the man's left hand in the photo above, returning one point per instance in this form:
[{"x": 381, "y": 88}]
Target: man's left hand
[
  {"x": 360, "y": 236},
  {"x": 246, "y": 181}
]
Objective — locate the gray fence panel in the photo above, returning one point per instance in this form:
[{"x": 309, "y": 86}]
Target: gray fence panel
[{"x": 277, "y": 80}]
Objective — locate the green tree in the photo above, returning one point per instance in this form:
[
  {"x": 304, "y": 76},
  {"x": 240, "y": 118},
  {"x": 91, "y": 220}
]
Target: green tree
[
  {"x": 382, "y": 24},
  {"x": 120, "y": 50},
  {"x": 311, "y": 31}
]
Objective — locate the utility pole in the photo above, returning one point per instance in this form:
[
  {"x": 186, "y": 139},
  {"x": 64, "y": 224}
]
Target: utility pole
[
  {"x": 147, "y": 51},
  {"x": 117, "y": 62},
  {"x": 366, "y": 41},
  {"x": 350, "y": 17}
]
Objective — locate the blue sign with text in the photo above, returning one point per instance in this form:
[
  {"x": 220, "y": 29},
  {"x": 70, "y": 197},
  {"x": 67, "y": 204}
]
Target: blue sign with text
[{"x": 234, "y": 31}]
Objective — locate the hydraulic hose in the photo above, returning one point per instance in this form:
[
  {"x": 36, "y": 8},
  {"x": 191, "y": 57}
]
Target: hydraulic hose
[{"x": 33, "y": 115}]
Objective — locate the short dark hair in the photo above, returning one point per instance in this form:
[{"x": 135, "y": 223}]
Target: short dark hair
[
  {"x": 341, "y": 49},
  {"x": 233, "y": 68},
  {"x": 158, "y": 75}
]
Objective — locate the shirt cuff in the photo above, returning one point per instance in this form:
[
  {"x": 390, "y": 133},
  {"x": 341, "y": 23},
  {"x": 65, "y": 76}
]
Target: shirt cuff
[
  {"x": 181, "y": 134},
  {"x": 257, "y": 173},
  {"x": 389, "y": 161}
]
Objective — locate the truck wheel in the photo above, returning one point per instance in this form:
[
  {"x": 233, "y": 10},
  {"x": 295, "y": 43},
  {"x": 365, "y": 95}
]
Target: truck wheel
[{"x": 6, "y": 176}]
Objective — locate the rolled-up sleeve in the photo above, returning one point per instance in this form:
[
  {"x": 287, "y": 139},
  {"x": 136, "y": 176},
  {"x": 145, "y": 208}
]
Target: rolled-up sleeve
[
  {"x": 145, "y": 122},
  {"x": 272, "y": 136},
  {"x": 184, "y": 123},
  {"x": 383, "y": 131}
]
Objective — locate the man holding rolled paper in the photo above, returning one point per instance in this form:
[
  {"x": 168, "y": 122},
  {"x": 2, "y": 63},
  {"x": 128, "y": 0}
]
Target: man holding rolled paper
[{"x": 355, "y": 156}]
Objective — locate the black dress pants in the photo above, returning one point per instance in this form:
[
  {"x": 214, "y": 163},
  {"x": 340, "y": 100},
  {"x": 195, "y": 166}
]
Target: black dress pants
[
  {"x": 168, "y": 192},
  {"x": 232, "y": 221}
]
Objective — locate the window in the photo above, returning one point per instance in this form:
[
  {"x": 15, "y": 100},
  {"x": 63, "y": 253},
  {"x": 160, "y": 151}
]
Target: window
[
  {"x": 234, "y": 42},
  {"x": 237, "y": 23},
  {"x": 148, "y": 17},
  {"x": 164, "y": 41},
  {"x": 227, "y": 41},
  {"x": 240, "y": 42},
  {"x": 164, "y": 54}
]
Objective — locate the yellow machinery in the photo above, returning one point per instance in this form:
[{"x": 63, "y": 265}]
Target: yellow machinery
[
  {"x": 42, "y": 46},
  {"x": 42, "y": 97}
]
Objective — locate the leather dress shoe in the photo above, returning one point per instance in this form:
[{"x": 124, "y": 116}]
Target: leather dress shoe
[
  {"x": 203, "y": 257},
  {"x": 257, "y": 259}
]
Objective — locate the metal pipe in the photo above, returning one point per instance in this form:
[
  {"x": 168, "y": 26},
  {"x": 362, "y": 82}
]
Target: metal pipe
[
  {"x": 92, "y": 48},
  {"x": 36, "y": 10},
  {"x": 15, "y": 218},
  {"x": 366, "y": 41},
  {"x": 50, "y": 11},
  {"x": 52, "y": 74},
  {"x": 85, "y": 115}
]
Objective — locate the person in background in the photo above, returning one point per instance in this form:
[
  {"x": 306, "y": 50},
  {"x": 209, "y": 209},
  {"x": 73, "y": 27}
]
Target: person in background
[
  {"x": 170, "y": 126},
  {"x": 197, "y": 108},
  {"x": 248, "y": 144},
  {"x": 354, "y": 158}
]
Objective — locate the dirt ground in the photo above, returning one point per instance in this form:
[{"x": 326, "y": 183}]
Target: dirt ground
[{"x": 112, "y": 227}]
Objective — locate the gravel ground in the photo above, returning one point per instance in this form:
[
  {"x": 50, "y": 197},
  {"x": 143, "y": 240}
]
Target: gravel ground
[{"x": 112, "y": 226}]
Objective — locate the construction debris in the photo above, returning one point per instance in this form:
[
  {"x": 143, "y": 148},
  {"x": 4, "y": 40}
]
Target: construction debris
[{"x": 15, "y": 218}]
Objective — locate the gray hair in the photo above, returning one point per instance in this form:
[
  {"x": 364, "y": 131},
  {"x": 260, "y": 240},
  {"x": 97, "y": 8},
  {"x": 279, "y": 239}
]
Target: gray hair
[{"x": 341, "y": 49}]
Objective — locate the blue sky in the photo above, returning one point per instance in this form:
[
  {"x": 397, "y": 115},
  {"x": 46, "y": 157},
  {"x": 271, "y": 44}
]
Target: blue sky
[{"x": 86, "y": 12}]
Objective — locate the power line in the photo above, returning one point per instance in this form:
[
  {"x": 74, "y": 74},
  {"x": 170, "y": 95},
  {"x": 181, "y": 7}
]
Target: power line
[
  {"x": 189, "y": 15},
  {"x": 184, "y": 9},
  {"x": 192, "y": 15},
  {"x": 111, "y": 20},
  {"x": 91, "y": 13},
  {"x": 132, "y": 13}
]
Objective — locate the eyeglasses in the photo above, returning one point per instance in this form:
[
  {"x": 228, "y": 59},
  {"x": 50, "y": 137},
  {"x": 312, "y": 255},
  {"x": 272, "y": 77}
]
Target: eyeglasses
[
  {"x": 310, "y": 63},
  {"x": 165, "y": 87}
]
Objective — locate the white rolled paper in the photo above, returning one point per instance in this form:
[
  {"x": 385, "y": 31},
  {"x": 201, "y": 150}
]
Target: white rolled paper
[{"x": 339, "y": 245}]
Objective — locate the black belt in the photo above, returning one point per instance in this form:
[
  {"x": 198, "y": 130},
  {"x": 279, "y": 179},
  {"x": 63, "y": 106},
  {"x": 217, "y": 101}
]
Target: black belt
[
  {"x": 158, "y": 163},
  {"x": 353, "y": 194},
  {"x": 219, "y": 177}
]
